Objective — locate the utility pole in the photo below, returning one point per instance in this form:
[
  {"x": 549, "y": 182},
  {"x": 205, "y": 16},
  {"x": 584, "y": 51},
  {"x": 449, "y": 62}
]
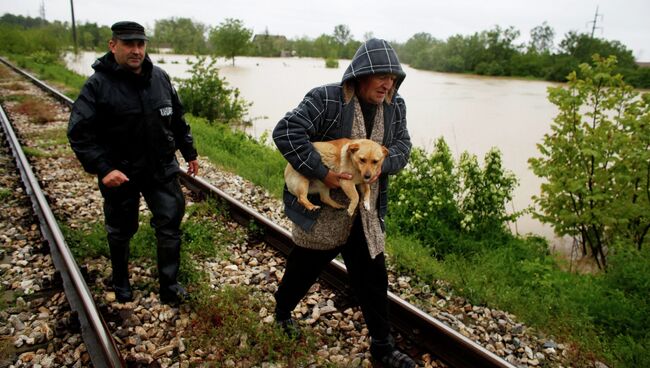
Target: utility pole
[
  {"x": 74, "y": 28},
  {"x": 593, "y": 22},
  {"x": 41, "y": 11}
]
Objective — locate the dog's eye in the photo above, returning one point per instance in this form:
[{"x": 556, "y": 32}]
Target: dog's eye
[
  {"x": 363, "y": 160},
  {"x": 375, "y": 161}
]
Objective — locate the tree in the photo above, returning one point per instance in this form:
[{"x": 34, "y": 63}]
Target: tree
[
  {"x": 182, "y": 34},
  {"x": 342, "y": 34},
  {"x": 596, "y": 161},
  {"x": 541, "y": 39},
  {"x": 415, "y": 46},
  {"x": 325, "y": 46},
  {"x": 230, "y": 38},
  {"x": 582, "y": 46}
]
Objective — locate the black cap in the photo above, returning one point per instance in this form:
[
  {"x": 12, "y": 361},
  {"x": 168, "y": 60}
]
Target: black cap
[{"x": 128, "y": 31}]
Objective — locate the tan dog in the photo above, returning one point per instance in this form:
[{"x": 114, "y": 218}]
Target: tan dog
[{"x": 362, "y": 158}]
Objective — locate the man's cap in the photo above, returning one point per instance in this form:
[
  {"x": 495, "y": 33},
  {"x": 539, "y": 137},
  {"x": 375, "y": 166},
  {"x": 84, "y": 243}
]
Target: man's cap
[{"x": 128, "y": 31}]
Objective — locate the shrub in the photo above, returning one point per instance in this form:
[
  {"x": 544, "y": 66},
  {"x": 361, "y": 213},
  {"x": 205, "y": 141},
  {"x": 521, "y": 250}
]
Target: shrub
[
  {"x": 451, "y": 206},
  {"x": 207, "y": 95},
  {"x": 331, "y": 63}
]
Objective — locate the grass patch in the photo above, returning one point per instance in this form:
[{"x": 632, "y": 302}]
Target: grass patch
[
  {"x": 89, "y": 242},
  {"x": 228, "y": 327},
  {"x": 52, "y": 72},
  {"x": 39, "y": 111},
  {"x": 237, "y": 152},
  {"x": 603, "y": 316},
  {"x": 34, "y": 152},
  {"x": 49, "y": 138},
  {"x": 14, "y": 97},
  {"x": 5, "y": 194}
]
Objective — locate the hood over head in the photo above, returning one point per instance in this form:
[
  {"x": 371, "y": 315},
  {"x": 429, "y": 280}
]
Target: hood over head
[{"x": 375, "y": 56}]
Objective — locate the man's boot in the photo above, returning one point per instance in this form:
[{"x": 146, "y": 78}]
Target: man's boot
[
  {"x": 171, "y": 292},
  {"x": 120, "y": 263},
  {"x": 384, "y": 351}
]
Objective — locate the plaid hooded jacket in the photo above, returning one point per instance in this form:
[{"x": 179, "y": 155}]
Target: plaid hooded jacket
[{"x": 327, "y": 114}]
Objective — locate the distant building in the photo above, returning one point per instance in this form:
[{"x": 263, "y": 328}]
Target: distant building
[
  {"x": 265, "y": 44},
  {"x": 265, "y": 37},
  {"x": 643, "y": 64}
]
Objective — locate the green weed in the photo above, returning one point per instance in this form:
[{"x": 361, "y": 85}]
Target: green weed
[
  {"x": 237, "y": 152},
  {"x": 229, "y": 328},
  {"x": 5, "y": 193}
]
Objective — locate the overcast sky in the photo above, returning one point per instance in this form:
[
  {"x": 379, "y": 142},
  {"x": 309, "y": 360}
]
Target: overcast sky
[{"x": 627, "y": 21}]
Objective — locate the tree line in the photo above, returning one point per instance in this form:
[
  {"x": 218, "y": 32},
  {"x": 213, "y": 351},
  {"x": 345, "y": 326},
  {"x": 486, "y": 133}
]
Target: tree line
[{"x": 493, "y": 52}]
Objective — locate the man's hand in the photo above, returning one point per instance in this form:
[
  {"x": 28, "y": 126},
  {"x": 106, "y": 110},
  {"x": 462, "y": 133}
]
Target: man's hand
[
  {"x": 332, "y": 179},
  {"x": 114, "y": 179},
  {"x": 193, "y": 167}
]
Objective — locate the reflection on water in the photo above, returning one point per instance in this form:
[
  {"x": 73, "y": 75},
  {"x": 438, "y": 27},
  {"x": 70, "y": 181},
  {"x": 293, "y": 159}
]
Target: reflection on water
[{"x": 472, "y": 113}]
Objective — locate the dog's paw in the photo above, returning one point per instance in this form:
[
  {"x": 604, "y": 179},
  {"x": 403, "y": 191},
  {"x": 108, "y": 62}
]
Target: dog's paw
[
  {"x": 314, "y": 208},
  {"x": 366, "y": 205},
  {"x": 351, "y": 211}
]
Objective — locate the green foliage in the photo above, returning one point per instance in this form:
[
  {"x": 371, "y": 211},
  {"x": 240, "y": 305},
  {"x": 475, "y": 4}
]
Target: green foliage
[
  {"x": 237, "y": 152},
  {"x": 183, "y": 35},
  {"x": 331, "y": 63},
  {"x": 53, "y": 72},
  {"x": 596, "y": 161},
  {"x": 5, "y": 194},
  {"x": 450, "y": 206},
  {"x": 582, "y": 46},
  {"x": 207, "y": 95},
  {"x": 408, "y": 255},
  {"x": 89, "y": 242},
  {"x": 92, "y": 36},
  {"x": 484, "y": 194},
  {"x": 26, "y": 35},
  {"x": 541, "y": 39},
  {"x": 606, "y": 313},
  {"x": 46, "y": 39},
  {"x": 495, "y": 52},
  {"x": 230, "y": 38},
  {"x": 325, "y": 46}
]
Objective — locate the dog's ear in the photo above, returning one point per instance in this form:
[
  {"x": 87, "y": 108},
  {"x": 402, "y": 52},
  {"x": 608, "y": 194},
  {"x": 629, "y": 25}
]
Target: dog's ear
[
  {"x": 385, "y": 151},
  {"x": 353, "y": 147}
]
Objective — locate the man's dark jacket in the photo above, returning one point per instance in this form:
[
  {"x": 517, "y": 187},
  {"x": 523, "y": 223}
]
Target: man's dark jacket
[
  {"x": 129, "y": 122},
  {"x": 327, "y": 113}
]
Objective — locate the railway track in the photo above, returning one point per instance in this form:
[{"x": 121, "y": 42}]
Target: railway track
[{"x": 419, "y": 328}]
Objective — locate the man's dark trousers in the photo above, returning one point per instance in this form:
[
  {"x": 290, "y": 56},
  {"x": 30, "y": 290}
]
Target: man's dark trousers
[
  {"x": 166, "y": 202},
  {"x": 368, "y": 278}
]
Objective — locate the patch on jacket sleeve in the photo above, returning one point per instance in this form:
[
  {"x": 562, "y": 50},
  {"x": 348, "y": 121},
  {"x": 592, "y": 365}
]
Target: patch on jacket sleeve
[{"x": 166, "y": 111}]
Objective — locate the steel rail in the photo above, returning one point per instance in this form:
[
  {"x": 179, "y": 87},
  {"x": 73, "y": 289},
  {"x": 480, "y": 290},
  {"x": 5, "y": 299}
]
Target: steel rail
[
  {"x": 99, "y": 342},
  {"x": 425, "y": 331}
]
